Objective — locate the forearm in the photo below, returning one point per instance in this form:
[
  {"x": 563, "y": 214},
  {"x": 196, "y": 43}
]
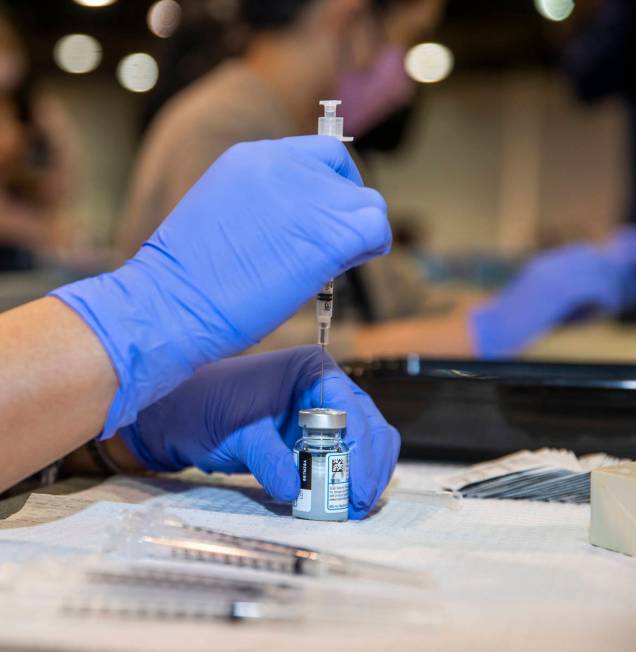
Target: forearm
[
  {"x": 445, "y": 335},
  {"x": 56, "y": 385}
]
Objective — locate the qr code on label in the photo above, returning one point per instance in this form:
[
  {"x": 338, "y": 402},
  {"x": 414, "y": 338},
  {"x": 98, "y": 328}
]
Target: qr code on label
[{"x": 337, "y": 465}]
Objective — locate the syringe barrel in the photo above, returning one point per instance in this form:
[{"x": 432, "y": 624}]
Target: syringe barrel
[
  {"x": 324, "y": 312},
  {"x": 330, "y": 124},
  {"x": 324, "y": 305},
  {"x": 323, "y": 335}
]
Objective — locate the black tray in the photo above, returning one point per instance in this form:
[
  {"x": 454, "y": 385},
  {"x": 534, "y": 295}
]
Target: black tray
[{"x": 471, "y": 410}]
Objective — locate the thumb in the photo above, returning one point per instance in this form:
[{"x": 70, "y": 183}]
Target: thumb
[
  {"x": 267, "y": 457},
  {"x": 329, "y": 151}
]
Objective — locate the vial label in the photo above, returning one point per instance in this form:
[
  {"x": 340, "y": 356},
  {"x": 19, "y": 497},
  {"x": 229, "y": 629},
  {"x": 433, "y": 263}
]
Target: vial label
[
  {"x": 337, "y": 482},
  {"x": 303, "y": 462}
]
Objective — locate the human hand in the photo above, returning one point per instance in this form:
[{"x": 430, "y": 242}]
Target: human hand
[
  {"x": 552, "y": 289},
  {"x": 257, "y": 236},
  {"x": 241, "y": 415}
]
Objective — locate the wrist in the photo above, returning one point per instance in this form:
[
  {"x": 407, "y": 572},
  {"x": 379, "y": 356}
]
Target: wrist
[
  {"x": 489, "y": 339},
  {"x": 105, "y": 458},
  {"x": 147, "y": 339},
  {"x": 121, "y": 456},
  {"x": 132, "y": 444}
]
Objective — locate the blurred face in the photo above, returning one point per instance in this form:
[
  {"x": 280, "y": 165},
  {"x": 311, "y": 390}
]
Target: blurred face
[
  {"x": 337, "y": 35},
  {"x": 365, "y": 37},
  {"x": 359, "y": 33},
  {"x": 376, "y": 84}
]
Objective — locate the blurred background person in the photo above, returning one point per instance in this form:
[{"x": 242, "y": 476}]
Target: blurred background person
[
  {"x": 584, "y": 279},
  {"x": 600, "y": 60},
  {"x": 294, "y": 54},
  {"x": 271, "y": 89},
  {"x": 379, "y": 101},
  {"x": 208, "y": 34},
  {"x": 291, "y": 54},
  {"x": 33, "y": 157}
]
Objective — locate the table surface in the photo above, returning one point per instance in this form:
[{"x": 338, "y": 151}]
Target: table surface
[
  {"x": 597, "y": 341},
  {"x": 500, "y": 574}
]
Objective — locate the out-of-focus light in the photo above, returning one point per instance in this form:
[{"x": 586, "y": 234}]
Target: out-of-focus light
[
  {"x": 555, "y": 9},
  {"x": 77, "y": 53},
  {"x": 429, "y": 62},
  {"x": 164, "y": 17},
  {"x": 95, "y": 3},
  {"x": 138, "y": 72}
]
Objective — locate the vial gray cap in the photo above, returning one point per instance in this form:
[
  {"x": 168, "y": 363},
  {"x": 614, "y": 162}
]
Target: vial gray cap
[{"x": 322, "y": 419}]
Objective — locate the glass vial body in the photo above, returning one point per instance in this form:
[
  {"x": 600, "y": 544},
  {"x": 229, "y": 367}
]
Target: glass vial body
[{"x": 322, "y": 458}]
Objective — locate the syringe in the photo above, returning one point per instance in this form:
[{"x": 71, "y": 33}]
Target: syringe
[
  {"x": 324, "y": 313},
  {"x": 328, "y": 125}
]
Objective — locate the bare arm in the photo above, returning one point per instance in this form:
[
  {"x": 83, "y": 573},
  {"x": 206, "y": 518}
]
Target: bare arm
[
  {"x": 80, "y": 462},
  {"x": 56, "y": 385},
  {"x": 445, "y": 335}
]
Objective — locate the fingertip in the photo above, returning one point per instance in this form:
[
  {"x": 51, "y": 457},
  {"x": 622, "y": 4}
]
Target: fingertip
[
  {"x": 362, "y": 493},
  {"x": 283, "y": 482},
  {"x": 357, "y": 514},
  {"x": 376, "y": 199},
  {"x": 331, "y": 152},
  {"x": 288, "y": 493},
  {"x": 376, "y": 230}
]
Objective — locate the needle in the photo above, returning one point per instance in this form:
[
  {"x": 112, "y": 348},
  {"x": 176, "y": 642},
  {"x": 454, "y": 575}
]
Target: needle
[{"x": 322, "y": 377}]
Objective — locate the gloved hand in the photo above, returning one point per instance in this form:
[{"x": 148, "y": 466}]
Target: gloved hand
[
  {"x": 554, "y": 288},
  {"x": 621, "y": 247},
  {"x": 257, "y": 236},
  {"x": 242, "y": 414}
]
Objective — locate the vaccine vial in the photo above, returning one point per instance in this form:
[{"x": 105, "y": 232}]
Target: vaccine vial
[{"x": 322, "y": 458}]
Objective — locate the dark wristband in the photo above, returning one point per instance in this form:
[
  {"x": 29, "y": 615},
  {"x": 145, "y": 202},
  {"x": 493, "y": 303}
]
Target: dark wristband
[{"x": 102, "y": 460}]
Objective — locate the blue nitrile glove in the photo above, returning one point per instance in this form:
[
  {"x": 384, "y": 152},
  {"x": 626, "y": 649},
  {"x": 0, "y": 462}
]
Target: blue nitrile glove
[
  {"x": 554, "y": 288},
  {"x": 258, "y": 235},
  {"x": 241, "y": 415},
  {"x": 622, "y": 249}
]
